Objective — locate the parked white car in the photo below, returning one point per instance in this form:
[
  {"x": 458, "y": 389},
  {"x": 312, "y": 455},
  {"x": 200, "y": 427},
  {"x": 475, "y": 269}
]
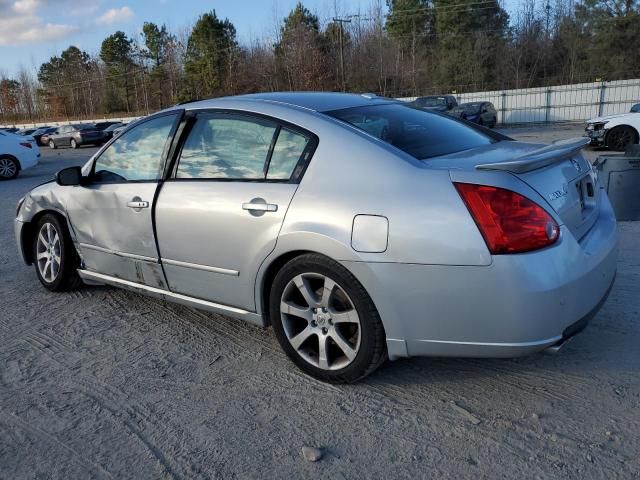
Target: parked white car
[
  {"x": 614, "y": 131},
  {"x": 16, "y": 153}
]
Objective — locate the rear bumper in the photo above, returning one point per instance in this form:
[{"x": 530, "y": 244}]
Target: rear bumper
[{"x": 518, "y": 305}]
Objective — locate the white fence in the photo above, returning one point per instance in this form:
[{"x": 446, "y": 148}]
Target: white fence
[{"x": 562, "y": 103}]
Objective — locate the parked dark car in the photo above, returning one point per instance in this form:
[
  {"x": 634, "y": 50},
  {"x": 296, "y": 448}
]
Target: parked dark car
[
  {"x": 119, "y": 129},
  {"x": 76, "y": 135},
  {"x": 438, "y": 103},
  {"x": 482, "y": 113},
  {"x": 42, "y": 135},
  {"x": 104, "y": 125},
  {"x": 635, "y": 108},
  {"x": 9, "y": 129},
  {"x": 26, "y": 131},
  {"x": 110, "y": 131}
]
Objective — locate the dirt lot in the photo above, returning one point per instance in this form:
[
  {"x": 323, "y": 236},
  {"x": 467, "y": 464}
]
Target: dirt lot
[{"x": 102, "y": 383}]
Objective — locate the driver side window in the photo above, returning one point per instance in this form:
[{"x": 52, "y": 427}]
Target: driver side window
[{"x": 137, "y": 155}]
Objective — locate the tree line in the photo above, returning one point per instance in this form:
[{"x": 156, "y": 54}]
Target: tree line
[{"x": 398, "y": 48}]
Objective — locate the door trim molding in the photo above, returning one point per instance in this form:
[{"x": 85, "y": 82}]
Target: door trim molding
[
  {"x": 235, "y": 312},
  {"x": 197, "y": 266},
  {"x": 132, "y": 256}
]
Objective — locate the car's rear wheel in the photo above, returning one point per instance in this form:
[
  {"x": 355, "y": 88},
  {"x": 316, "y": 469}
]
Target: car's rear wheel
[
  {"x": 52, "y": 145},
  {"x": 55, "y": 258},
  {"x": 325, "y": 321},
  {"x": 620, "y": 137},
  {"x": 9, "y": 168},
  {"x": 73, "y": 143}
]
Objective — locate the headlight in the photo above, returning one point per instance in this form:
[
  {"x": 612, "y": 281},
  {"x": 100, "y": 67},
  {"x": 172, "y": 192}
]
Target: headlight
[
  {"x": 19, "y": 206},
  {"x": 596, "y": 126}
]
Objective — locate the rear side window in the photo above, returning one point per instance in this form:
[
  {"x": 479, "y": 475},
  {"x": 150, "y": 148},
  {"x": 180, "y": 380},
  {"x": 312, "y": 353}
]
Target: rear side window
[
  {"x": 236, "y": 147},
  {"x": 287, "y": 152},
  {"x": 419, "y": 133}
]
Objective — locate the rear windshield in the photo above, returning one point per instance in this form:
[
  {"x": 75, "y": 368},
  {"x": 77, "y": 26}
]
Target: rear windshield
[
  {"x": 419, "y": 133},
  {"x": 471, "y": 107}
]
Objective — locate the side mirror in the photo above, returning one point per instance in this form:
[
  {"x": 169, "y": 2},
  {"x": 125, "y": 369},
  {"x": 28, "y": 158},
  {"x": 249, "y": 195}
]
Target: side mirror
[{"x": 69, "y": 176}]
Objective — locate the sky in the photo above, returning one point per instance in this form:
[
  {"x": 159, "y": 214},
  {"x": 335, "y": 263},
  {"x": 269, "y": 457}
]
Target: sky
[{"x": 32, "y": 31}]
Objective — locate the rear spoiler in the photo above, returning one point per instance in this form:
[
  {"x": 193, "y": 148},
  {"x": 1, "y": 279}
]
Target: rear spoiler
[{"x": 540, "y": 158}]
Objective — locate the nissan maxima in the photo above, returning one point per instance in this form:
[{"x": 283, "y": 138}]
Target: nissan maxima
[{"x": 359, "y": 228}]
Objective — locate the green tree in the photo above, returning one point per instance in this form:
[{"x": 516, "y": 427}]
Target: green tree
[
  {"x": 410, "y": 24},
  {"x": 209, "y": 57},
  {"x": 302, "y": 51},
  {"x": 470, "y": 38},
  {"x": 157, "y": 40},
  {"x": 117, "y": 54},
  {"x": 613, "y": 43},
  {"x": 66, "y": 83},
  {"x": 160, "y": 50}
]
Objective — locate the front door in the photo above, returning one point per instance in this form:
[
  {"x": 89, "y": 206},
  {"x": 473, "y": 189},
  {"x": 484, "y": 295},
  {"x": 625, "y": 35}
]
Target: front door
[
  {"x": 219, "y": 216},
  {"x": 112, "y": 214}
]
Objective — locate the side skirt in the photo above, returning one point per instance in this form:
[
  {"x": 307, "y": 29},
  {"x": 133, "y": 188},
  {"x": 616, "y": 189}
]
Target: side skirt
[{"x": 101, "y": 279}]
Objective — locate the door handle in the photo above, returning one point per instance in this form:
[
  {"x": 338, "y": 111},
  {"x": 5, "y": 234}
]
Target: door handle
[
  {"x": 138, "y": 204},
  {"x": 260, "y": 207}
]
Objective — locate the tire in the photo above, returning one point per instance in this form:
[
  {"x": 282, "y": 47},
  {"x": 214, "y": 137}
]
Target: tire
[
  {"x": 9, "y": 168},
  {"x": 620, "y": 137},
  {"x": 346, "y": 320},
  {"x": 52, "y": 145},
  {"x": 73, "y": 144},
  {"x": 52, "y": 231}
]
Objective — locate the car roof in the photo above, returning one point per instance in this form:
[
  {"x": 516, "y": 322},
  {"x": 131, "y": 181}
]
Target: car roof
[{"x": 316, "y": 101}]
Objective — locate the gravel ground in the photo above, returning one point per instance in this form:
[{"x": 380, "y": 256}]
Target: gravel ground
[{"x": 103, "y": 383}]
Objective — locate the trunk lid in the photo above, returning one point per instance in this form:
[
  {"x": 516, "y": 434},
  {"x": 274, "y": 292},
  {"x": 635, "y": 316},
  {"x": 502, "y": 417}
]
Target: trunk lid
[{"x": 558, "y": 172}]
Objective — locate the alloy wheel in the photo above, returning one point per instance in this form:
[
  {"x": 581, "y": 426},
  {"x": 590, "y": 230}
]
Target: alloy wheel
[
  {"x": 320, "y": 321},
  {"x": 8, "y": 168},
  {"x": 619, "y": 138},
  {"x": 48, "y": 252}
]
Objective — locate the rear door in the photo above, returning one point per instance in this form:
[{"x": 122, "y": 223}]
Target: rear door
[
  {"x": 219, "y": 215},
  {"x": 112, "y": 214}
]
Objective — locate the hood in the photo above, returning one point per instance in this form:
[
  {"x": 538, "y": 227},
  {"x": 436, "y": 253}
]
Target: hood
[{"x": 605, "y": 118}]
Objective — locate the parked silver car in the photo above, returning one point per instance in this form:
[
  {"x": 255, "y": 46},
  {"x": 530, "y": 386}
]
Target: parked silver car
[{"x": 420, "y": 235}]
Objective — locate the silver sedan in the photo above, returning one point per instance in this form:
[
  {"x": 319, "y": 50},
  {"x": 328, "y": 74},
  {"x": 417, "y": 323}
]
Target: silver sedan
[{"x": 359, "y": 228}]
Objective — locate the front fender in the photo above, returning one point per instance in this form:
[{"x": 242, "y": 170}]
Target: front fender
[{"x": 48, "y": 197}]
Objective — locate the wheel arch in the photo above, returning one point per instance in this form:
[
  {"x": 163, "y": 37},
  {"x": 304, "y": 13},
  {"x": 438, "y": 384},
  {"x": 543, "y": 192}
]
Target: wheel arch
[
  {"x": 12, "y": 157},
  {"x": 265, "y": 282},
  {"x": 606, "y": 139},
  {"x": 28, "y": 233}
]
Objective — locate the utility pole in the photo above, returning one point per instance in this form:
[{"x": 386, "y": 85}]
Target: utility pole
[{"x": 341, "y": 21}]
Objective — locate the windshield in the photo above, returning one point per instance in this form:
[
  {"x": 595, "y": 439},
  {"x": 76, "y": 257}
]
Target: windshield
[{"x": 419, "y": 133}]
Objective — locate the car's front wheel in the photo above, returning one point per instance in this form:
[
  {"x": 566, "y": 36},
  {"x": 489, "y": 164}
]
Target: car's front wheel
[
  {"x": 325, "y": 321},
  {"x": 52, "y": 145},
  {"x": 55, "y": 258},
  {"x": 8, "y": 168},
  {"x": 620, "y": 137},
  {"x": 74, "y": 144}
]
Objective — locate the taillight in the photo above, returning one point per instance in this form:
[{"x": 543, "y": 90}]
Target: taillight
[
  {"x": 509, "y": 222},
  {"x": 26, "y": 144}
]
